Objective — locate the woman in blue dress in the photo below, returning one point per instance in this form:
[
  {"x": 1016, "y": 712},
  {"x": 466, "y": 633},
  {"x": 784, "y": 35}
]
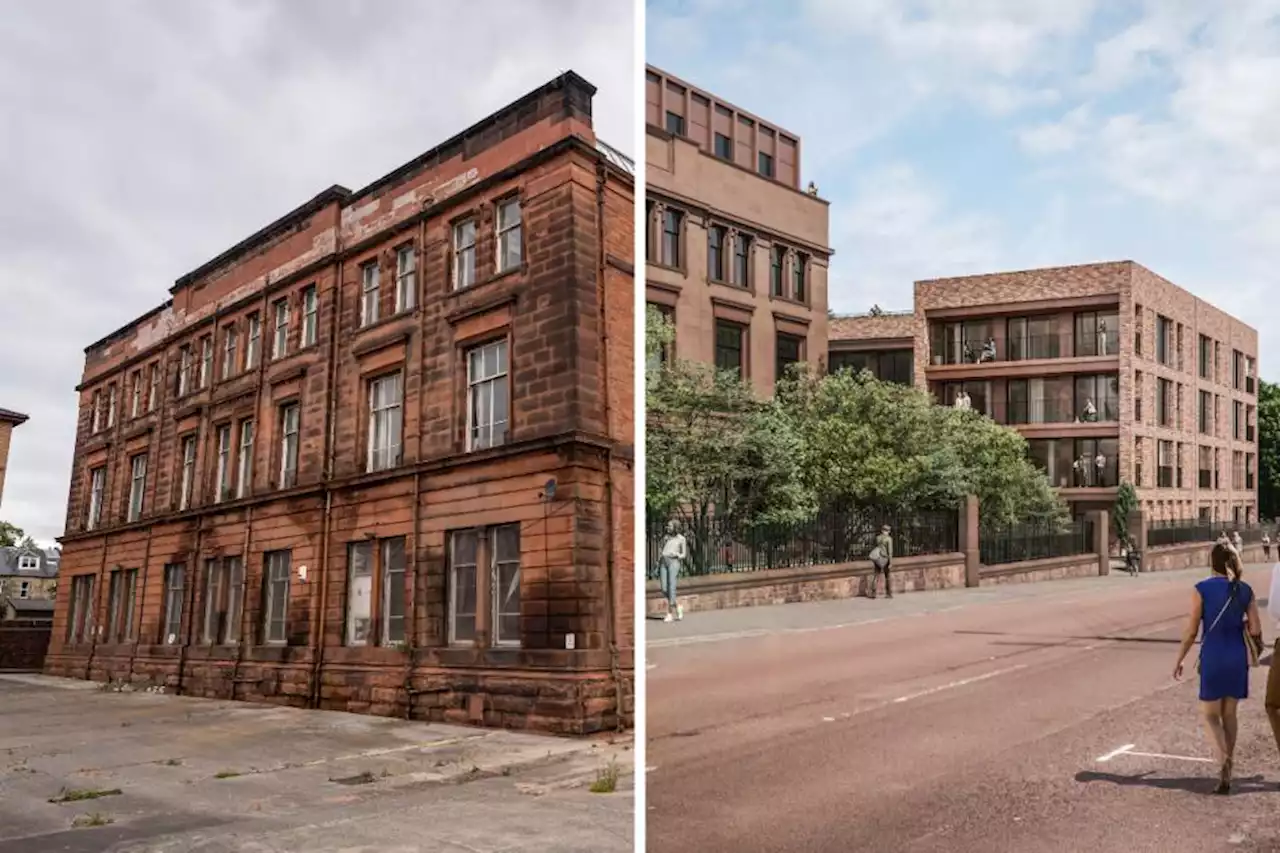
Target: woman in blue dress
[{"x": 1224, "y": 607}]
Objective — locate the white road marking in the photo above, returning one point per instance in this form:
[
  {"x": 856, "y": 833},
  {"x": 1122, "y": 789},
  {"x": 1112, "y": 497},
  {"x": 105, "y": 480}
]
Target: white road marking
[
  {"x": 752, "y": 633},
  {"x": 1128, "y": 749},
  {"x": 1113, "y": 753},
  {"x": 828, "y": 719},
  {"x": 961, "y": 683}
]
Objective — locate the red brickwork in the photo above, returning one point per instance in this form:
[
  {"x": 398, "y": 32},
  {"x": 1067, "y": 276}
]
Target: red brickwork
[{"x": 566, "y": 313}]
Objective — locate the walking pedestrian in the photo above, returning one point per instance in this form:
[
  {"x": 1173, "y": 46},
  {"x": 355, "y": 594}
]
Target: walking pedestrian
[
  {"x": 1272, "y": 700},
  {"x": 881, "y": 561},
  {"x": 675, "y": 550},
  {"x": 1225, "y": 607},
  {"x": 1266, "y": 546},
  {"x": 1238, "y": 543}
]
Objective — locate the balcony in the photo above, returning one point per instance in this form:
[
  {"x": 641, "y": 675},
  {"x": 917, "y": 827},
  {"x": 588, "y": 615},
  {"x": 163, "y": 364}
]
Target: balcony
[
  {"x": 1055, "y": 410},
  {"x": 950, "y": 349}
]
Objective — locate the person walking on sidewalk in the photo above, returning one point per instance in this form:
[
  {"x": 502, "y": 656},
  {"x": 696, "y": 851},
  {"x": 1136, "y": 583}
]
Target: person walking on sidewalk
[
  {"x": 1224, "y": 606},
  {"x": 675, "y": 550},
  {"x": 881, "y": 561},
  {"x": 1237, "y": 542},
  {"x": 1266, "y": 546},
  {"x": 1272, "y": 701}
]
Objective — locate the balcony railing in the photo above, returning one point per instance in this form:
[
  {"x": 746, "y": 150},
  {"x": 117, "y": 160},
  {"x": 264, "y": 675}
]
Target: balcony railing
[
  {"x": 980, "y": 350},
  {"x": 1055, "y": 410}
]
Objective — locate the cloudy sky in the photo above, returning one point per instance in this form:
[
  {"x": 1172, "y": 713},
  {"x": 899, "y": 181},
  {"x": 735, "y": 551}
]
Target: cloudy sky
[
  {"x": 960, "y": 136},
  {"x": 138, "y": 142}
]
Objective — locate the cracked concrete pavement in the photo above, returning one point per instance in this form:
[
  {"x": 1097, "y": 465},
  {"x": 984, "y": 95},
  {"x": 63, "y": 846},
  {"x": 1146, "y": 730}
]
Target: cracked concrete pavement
[{"x": 213, "y": 776}]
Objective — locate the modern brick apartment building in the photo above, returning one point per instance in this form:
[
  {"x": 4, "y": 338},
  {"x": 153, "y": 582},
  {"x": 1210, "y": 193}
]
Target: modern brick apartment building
[
  {"x": 737, "y": 253},
  {"x": 8, "y": 420},
  {"x": 378, "y": 456},
  {"x": 881, "y": 342},
  {"x": 1111, "y": 372}
]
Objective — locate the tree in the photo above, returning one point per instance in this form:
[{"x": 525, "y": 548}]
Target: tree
[
  {"x": 871, "y": 442},
  {"x": 1268, "y": 450},
  {"x": 1125, "y": 506},
  {"x": 10, "y": 535}
]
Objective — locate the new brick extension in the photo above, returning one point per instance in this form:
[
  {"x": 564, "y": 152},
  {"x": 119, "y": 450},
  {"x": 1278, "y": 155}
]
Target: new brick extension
[{"x": 403, "y": 625}]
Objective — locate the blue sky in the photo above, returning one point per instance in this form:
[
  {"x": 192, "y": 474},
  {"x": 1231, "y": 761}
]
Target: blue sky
[{"x": 962, "y": 136}]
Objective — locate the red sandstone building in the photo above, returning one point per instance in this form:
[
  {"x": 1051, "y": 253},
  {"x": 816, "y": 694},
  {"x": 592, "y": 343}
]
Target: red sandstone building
[
  {"x": 377, "y": 457},
  {"x": 1111, "y": 372},
  {"x": 736, "y": 252}
]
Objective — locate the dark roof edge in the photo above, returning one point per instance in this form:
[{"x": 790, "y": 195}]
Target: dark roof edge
[
  {"x": 8, "y": 416},
  {"x": 334, "y": 193},
  {"x": 562, "y": 81},
  {"x": 106, "y": 339}
]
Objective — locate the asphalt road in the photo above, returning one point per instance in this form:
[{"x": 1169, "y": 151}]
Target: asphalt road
[{"x": 955, "y": 722}]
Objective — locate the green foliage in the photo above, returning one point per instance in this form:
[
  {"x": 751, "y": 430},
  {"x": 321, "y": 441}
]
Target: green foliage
[
  {"x": 866, "y": 441},
  {"x": 10, "y": 535},
  {"x": 1268, "y": 450},
  {"x": 1126, "y": 505}
]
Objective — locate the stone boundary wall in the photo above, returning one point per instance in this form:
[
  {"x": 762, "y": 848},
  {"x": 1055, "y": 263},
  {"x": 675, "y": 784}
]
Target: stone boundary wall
[{"x": 23, "y": 644}]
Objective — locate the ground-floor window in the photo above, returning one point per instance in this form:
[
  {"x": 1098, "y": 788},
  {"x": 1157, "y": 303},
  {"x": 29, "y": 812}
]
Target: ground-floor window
[
  {"x": 171, "y": 618},
  {"x": 275, "y": 597},
  {"x": 123, "y": 595},
  {"x": 80, "y": 623},
  {"x": 484, "y": 585},
  {"x": 376, "y": 592},
  {"x": 223, "y": 597}
]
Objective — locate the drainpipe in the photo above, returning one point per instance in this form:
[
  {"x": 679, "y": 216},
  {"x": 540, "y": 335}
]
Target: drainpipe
[
  {"x": 615, "y": 664},
  {"x": 317, "y": 667},
  {"x": 244, "y": 586},
  {"x": 137, "y": 622},
  {"x": 411, "y": 614},
  {"x": 92, "y": 616},
  {"x": 188, "y": 606}
]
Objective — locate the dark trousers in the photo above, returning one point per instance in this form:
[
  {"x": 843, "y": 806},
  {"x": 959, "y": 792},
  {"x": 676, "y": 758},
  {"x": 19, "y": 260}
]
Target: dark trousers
[{"x": 875, "y": 578}]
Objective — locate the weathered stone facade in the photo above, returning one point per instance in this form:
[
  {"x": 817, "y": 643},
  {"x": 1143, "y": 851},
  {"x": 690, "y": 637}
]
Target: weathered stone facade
[
  {"x": 8, "y": 420},
  {"x": 559, "y": 484}
]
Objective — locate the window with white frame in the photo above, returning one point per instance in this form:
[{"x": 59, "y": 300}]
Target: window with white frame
[
  {"x": 188, "y": 479},
  {"x": 97, "y": 484},
  {"x": 497, "y": 550},
  {"x": 509, "y": 235},
  {"x": 111, "y": 405},
  {"x": 24, "y": 589},
  {"x": 135, "y": 394},
  {"x": 137, "y": 485},
  {"x": 171, "y": 617},
  {"x": 275, "y": 597},
  {"x": 184, "y": 369},
  {"x": 464, "y": 254},
  {"x": 206, "y": 361},
  {"x": 28, "y": 563},
  {"x": 310, "y": 315},
  {"x": 487, "y": 396},
  {"x": 96, "y": 422},
  {"x": 376, "y": 592},
  {"x": 153, "y": 399},
  {"x": 289, "y": 420},
  {"x": 224, "y": 463},
  {"x": 244, "y": 481},
  {"x": 254, "y": 343},
  {"x": 230, "y": 343},
  {"x": 223, "y": 598},
  {"x": 385, "y": 422},
  {"x": 369, "y": 290},
  {"x": 406, "y": 278},
  {"x": 280, "y": 345}
]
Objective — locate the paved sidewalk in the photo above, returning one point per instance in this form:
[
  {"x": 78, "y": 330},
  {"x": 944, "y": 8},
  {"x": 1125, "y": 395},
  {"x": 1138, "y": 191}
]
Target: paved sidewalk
[
  {"x": 182, "y": 774},
  {"x": 743, "y": 622}
]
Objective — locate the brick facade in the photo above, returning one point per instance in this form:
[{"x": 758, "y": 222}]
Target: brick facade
[
  {"x": 1139, "y": 297},
  {"x": 559, "y": 485}
]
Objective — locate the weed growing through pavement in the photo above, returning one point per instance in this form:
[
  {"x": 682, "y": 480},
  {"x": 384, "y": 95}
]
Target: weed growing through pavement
[
  {"x": 87, "y": 820},
  {"x": 227, "y": 774},
  {"x": 606, "y": 778},
  {"x": 75, "y": 795}
]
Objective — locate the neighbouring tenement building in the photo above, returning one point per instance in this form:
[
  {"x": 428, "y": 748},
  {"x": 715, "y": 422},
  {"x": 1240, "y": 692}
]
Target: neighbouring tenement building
[
  {"x": 378, "y": 456},
  {"x": 1111, "y": 372},
  {"x": 8, "y": 420},
  {"x": 736, "y": 251}
]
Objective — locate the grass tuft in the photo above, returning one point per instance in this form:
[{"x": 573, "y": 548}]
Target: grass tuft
[{"x": 75, "y": 795}]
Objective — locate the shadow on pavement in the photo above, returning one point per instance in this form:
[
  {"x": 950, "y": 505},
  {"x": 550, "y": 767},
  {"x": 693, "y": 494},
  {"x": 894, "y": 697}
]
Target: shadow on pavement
[{"x": 1191, "y": 784}]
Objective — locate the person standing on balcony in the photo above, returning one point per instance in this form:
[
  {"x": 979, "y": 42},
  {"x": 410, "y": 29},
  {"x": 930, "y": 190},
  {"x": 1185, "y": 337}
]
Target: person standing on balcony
[
  {"x": 675, "y": 550},
  {"x": 1090, "y": 411},
  {"x": 1102, "y": 337},
  {"x": 881, "y": 561},
  {"x": 1100, "y": 466}
]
